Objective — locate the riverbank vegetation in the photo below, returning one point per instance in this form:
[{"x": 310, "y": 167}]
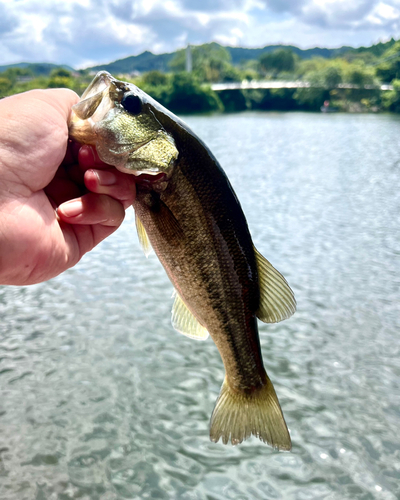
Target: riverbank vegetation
[{"x": 363, "y": 69}]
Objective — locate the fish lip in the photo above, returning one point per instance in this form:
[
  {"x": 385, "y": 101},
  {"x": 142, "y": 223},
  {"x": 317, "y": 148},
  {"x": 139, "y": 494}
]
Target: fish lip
[
  {"x": 147, "y": 178},
  {"x": 147, "y": 175}
]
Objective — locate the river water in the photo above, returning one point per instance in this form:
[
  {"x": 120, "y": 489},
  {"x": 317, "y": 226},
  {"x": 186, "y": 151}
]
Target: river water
[{"x": 101, "y": 399}]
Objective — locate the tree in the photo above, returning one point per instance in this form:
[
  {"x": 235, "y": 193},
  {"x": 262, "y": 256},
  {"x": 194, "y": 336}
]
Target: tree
[
  {"x": 188, "y": 95},
  {"x": 277, "y": 61},
  {"x": 60, "y": 72},
  {"x": 60, "y": 77},
  {"x": 314, "y": 96},
  {"x": 391, "y": 99},
  {"x": 389, "y": 68},
  {"x": 155, "y": 78},
  {"x": 211, "y": 63},
  {"x": 332, "y": 76},
  {"x": 5, "y": 86}
]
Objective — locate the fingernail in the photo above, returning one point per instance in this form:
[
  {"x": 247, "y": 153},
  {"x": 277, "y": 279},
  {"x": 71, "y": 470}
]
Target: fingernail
[
  {"x": 71, "y": 208},
  {"x": 106, "y": 178}
]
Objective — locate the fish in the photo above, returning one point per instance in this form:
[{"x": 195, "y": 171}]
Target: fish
[{"x": 187, "y": 212}]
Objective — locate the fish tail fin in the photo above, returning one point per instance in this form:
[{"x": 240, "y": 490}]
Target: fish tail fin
[{"x": 238, "y": 415}]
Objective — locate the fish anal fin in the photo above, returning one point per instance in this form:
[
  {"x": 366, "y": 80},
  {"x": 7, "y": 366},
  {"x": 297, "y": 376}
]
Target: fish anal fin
[
  {"x": 143, "y": 238},
  {"x": 184, "y": 322},
  {"x": 238, "y": 415},
  {"x": 277, "y": 300}
]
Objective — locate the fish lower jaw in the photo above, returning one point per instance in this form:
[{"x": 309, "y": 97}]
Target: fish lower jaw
[{"x": 138, "y": 173}]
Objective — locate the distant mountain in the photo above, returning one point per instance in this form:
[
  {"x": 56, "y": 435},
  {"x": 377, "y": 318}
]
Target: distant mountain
[
  {"x": 240, "y": 55},
  {"x": 148, "y": 61},
  {"x": 378, "y": 49},
  {"x": 38, "y": 69}
]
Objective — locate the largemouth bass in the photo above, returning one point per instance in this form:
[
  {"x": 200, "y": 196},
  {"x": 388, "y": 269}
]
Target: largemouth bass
[{"x": 188, "y": 212}]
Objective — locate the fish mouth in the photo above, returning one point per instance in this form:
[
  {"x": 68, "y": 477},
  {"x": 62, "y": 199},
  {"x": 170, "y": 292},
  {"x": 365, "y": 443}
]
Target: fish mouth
[{"x": 94, "y": 100}]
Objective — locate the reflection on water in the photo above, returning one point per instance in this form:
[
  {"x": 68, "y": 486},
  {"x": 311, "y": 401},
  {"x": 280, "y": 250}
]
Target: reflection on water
[{"x": 101, "y": 399}]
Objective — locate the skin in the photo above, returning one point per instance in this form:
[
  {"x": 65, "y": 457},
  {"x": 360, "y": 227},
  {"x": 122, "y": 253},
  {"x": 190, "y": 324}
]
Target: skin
[{"x": 57, "y": 199}]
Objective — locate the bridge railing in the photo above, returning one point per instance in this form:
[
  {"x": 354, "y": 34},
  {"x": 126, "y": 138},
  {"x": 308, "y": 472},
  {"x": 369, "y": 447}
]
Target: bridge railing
[{"x": 275, "y": 84}]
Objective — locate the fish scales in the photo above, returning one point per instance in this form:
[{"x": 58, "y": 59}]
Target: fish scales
[
  {"x": 228, "y": 269},
  {"x": 188, "y": 212}
]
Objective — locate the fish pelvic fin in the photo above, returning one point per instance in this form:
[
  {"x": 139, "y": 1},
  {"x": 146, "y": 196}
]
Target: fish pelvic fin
[
  {"x": 277, "y": 300},
  {"x": 142, "y": 235},
  {"x": 238, "y": 415},
  {"x": 184, "y": 322}
]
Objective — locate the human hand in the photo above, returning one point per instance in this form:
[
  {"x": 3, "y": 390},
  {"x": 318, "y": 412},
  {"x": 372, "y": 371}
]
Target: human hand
[{"x": 57, "y": 199}]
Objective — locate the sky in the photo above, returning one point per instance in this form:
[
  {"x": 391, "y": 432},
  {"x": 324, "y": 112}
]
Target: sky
[{"x": 82, "y": 33}]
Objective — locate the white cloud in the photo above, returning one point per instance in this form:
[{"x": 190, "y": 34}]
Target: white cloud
[{"x": 79, "y": 32}]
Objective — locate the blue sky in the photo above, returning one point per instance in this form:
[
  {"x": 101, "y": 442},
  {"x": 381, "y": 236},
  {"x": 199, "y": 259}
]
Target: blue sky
[{"x": 86, "y": 32}]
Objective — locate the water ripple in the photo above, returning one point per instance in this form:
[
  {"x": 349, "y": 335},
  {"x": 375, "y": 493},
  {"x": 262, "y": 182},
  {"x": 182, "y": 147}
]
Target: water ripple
[{"x": 101, "y": 399}]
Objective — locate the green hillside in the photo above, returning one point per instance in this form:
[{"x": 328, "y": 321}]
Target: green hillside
[
  {"x": 240, "y": 55},
  {"x": 348, "y": 78},
  {"x": 37, "y": 69},
  {"x": 147, "y": 61}
]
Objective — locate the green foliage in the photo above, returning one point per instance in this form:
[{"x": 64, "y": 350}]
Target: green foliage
[
  {"x": 332, "y": 76},
  {"x": 5, "y": 86},
  {"x": 60, "y": 78},
  {"x": 391, "y": 99},
  {"x": 185, "y": 93},
  {"x": 60, "y": 72},
  {"x": 238, "y": 56},
  {"x": 278, "y": 61},
  {"x": 211, "y": 63},
  {"x": 181, "y": 92},
  {"x": 233, "y": 100},
  {"x": 157, "y": 85},
  {"x": 376, "y": 50},
  {"x": 389, "y": 68},
  {"x": 359, "y": 74},
  {"x": 155, "y": 78},
  {"x": 188, "y": 95},
  {"x": 312, "y": 98}
]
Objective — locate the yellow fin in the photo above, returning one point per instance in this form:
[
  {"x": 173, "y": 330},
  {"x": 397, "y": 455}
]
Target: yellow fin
[
  {"x": 238, "y": 415},
  {"x": 143, "y": 238},
  {"x": 184, "y": 322},
  {"x": 277, "y": 300}
]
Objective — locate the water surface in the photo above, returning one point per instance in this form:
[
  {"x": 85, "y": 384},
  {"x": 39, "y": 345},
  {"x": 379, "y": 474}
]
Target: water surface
[{"x": 101, "y": 399}]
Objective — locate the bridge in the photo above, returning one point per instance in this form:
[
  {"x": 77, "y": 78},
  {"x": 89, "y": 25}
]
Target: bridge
[{"x": 276, "y": 84}]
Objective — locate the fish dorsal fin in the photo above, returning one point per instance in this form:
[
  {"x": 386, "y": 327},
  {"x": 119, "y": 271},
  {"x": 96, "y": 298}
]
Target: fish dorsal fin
[
  {"x": 184, "y": 322},
  {"x": 277, "y": 300},
  {"x": 143, "y": 238}
]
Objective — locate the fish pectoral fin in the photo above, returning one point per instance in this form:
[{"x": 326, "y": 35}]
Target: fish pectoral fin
[
  {"x": 238, "y": 415},
  {"x": 143, "y": 238},
  {"x": 168, "y": 224},
  {"x": 184, "y": 322},
  {"x": 277, "y": 300}
]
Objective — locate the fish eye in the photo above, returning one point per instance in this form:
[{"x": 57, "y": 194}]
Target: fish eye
[{"x": 132, "y": 103}]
